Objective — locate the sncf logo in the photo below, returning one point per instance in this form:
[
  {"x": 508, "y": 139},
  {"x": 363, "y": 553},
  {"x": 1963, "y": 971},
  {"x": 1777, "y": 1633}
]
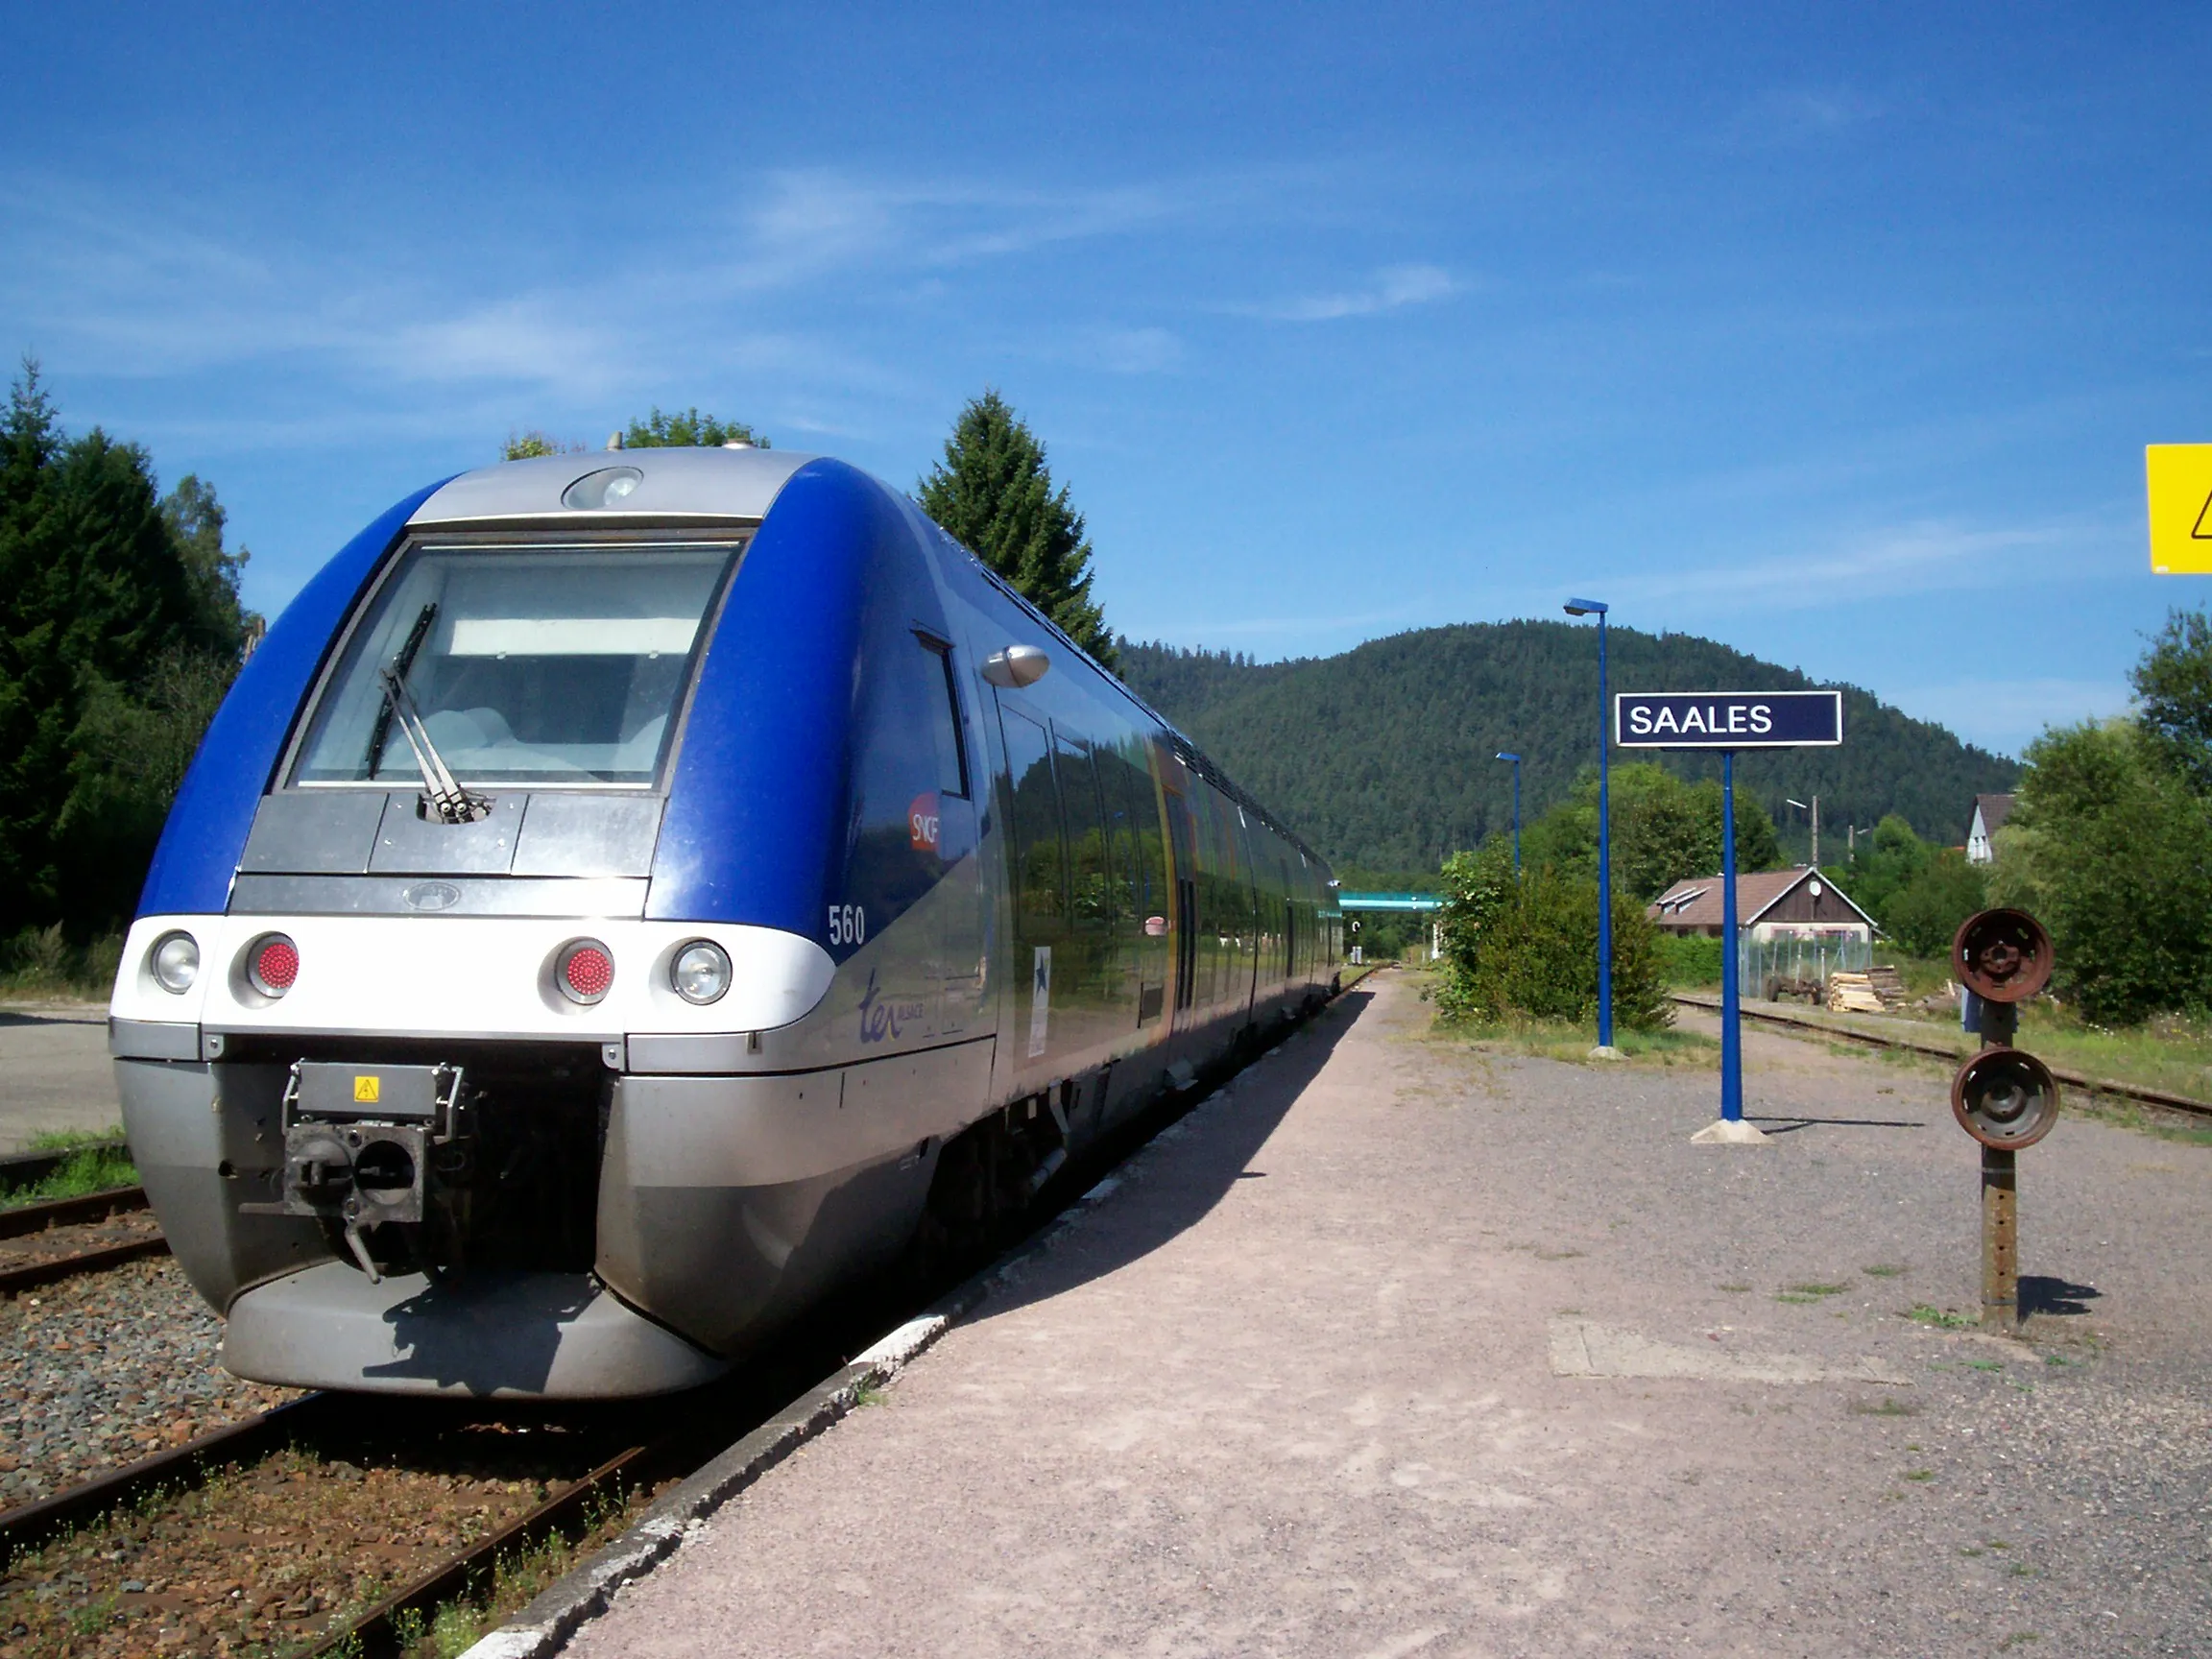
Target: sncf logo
[{"x": 921, "y": 823}]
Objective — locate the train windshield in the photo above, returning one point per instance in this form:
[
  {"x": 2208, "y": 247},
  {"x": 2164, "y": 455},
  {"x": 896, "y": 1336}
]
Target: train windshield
[{"x": 554, "y": 667}]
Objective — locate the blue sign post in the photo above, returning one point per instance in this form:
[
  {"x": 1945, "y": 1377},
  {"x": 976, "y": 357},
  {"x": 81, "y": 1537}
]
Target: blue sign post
[{"x": 1728, "y": 721}]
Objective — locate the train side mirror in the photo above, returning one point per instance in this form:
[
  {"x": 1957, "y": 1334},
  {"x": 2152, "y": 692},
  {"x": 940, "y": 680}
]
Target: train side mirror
[
  {"x": 1015, "y": 667},
  {"x": 2004, "y": 1099},
  {"x": 2003, "y": 955}
]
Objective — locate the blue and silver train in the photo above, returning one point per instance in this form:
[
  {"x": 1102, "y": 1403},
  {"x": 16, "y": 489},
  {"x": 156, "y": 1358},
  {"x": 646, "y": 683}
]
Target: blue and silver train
[{"x": 625, "y": 896}]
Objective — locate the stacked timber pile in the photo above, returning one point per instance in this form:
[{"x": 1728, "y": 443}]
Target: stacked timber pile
[{"x": 1877, "y": 991}]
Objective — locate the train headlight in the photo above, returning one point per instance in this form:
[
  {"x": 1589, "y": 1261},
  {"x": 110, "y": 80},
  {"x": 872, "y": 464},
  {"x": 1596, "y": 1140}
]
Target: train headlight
[
  {"x": 175, "y": 962},
  {"x": 701, "y": 972},
  {"x": 584, "y": 970},
  {"x": 272, "y": 964}
]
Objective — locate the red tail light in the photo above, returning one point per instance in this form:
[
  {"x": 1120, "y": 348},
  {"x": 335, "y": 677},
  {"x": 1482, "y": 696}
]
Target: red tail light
[
  {"x": 584, "y": 971},
  {"x": 273, "y": 964}
]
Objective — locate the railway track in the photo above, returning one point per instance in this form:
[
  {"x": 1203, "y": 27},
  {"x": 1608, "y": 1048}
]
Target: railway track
[
  {"x": 1951, "y": 1054},
  {"x": 33, "y": 1221}
]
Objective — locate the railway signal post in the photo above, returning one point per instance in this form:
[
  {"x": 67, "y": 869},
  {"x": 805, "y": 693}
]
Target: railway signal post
[
  {"x": 2003, "y": 1096},
  {"x": 1728, "y": 721}
]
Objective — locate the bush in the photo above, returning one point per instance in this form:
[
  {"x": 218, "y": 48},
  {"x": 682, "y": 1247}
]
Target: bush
[
  {"x": 1529, "y": 948},
  {"x": 1689, "y": 959},
  {"x": 1924, "y": 915},
  {"x": 2107, "y": 848}
]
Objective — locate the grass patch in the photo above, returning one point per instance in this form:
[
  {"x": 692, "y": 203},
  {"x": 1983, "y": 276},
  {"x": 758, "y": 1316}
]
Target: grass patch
[
  {"x": 1810, "y": 1291},
  {"x": 1885, "y": 1270},
  {"x": 1920, "y": 1476},
  {"x": 94, "y": 1169},
  {"x": 1941, "y": 1318},
  {"x": 1562, "y": 1039}
]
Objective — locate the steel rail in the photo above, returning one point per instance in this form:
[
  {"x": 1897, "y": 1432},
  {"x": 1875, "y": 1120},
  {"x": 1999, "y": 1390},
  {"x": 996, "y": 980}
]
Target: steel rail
[
  {"x": 28, "y": 1218},
  {"x": 31, "y": 1525},
  {"x": 33, "y": 1275},
  {"x": 1937, "y": 1052},
  {"x": 376, "y": 1630}
]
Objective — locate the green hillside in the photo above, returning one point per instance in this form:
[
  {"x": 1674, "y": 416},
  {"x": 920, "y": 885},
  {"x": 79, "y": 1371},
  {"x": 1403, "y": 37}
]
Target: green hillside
[{"x": 1382, "y": 757}]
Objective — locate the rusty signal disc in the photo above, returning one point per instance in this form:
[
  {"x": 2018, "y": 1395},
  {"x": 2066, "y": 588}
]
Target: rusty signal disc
[
  {"x": 2006, "y": 1098},
  {"x": 2003, "y": 955}
]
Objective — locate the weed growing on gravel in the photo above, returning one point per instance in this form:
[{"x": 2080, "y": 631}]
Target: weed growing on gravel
[
  {"x": 1811, "y": 1292},
  {"x": 868, "y": 1394},
  {"x": 1735, "y": 1289},
  {"x": 1984, "y": 1364},
  {"x": 456, "y": 1627},
  {"x": 1885, "y": 1270},
  {"x": 1942, "y": 1318},
  {"x": 2018, "y": 1639},
  {"x": 1922, "y": 1475},
  {"x": 1885, "y": 1407}
]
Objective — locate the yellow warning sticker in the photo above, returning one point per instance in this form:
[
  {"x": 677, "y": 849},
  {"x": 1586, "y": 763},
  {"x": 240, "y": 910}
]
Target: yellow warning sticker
[
  {"x": 2180, "y": 480},
  {"x": 365, "y": 1090}
]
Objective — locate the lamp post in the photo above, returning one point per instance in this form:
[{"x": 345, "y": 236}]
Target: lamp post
[
  {"x": 1597, "y": 609},
  {"x": 1814, "y": 811},
  {"x": 1516, "y": 760}
]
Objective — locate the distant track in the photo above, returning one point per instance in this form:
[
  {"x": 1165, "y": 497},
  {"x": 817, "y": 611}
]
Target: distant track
[
  {"x": 1939, "y": 1051},
  {"x": 24, "y": 1219}
]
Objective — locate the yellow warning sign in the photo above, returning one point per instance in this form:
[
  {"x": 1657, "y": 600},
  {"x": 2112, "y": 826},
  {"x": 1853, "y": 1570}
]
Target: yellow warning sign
[
  {"x": 2180, "y": 479},
  {"x": 365, "y": 1090}
]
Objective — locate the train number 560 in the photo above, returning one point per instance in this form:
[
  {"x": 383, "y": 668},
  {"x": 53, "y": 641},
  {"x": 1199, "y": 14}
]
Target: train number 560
[{"x": 848, "y": 924}]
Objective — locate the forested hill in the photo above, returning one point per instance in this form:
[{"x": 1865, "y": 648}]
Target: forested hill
[{"x": 1383, "y": 756}]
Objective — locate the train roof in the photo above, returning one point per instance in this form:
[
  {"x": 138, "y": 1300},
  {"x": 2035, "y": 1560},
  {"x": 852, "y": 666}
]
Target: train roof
[{"x": 671, "y": 484}]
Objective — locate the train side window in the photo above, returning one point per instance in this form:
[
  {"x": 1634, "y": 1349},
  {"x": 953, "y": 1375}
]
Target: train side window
[
  {"x": 1090, "y": 870},
  {"x": 948, "y": 728},
  {"x": 1038, "y": 870}
]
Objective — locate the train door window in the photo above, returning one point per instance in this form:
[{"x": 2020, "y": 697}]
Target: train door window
[
  {"x": 1033, "y": 814},
  {"x": 947, "y": 727}
]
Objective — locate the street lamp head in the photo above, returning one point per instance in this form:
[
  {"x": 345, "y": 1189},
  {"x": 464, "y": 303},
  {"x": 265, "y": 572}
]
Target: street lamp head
[
  {"x": 1800, "y": 805},
  {"x": 1503, "y": 755},
  {"x": 1587, "y": 607}
]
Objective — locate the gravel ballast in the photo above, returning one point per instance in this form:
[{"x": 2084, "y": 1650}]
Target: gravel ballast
[{"x": 102, "y": 1369}]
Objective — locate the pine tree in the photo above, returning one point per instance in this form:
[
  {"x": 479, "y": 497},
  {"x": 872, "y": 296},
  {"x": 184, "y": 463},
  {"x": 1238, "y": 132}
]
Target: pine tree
[
  {"x": 994, "y": 492},
  {"x": 120, "y": 627}
]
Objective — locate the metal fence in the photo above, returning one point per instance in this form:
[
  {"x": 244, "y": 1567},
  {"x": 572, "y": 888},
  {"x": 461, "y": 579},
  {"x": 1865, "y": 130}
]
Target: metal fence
[{"x": 1757, "y": 960}]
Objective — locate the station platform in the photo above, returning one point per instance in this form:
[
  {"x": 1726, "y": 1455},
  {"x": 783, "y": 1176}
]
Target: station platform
[
  {"x": 55, "y": 1072},
  {"x": 1402, "y": 1347}
]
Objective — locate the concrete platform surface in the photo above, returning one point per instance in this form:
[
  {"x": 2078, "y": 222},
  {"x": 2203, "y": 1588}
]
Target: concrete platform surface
[
  {"x": 1401, "y": 1347},
  {"x": 54, "y": 1071}
]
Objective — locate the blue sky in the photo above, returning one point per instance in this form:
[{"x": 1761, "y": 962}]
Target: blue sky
[{"x": 1832, "y": 332}]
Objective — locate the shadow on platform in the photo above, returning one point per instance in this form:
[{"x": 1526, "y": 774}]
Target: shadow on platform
[
  {"x": 1183, "y": 1180},
  {"x": 1791, "y": 1123}
]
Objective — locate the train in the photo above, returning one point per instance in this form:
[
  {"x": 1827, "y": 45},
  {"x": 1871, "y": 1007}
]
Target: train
[{"x": 626, "y": 898}]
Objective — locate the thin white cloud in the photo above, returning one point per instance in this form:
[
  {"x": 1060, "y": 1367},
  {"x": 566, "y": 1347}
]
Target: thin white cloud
[
  {"x": 107, "y": 285},
  {"x": 1800, "y": 114},
  {"x": 1930, "y": 555},
  {"x": 2008, "y": 715},
  {"x": 1394, "y": 286}
]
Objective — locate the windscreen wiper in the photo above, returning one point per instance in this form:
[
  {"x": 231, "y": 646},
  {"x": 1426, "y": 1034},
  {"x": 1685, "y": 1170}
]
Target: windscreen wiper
[
  {"x": 440, "y": 794},
  {"x": 401, "y": 662}
]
